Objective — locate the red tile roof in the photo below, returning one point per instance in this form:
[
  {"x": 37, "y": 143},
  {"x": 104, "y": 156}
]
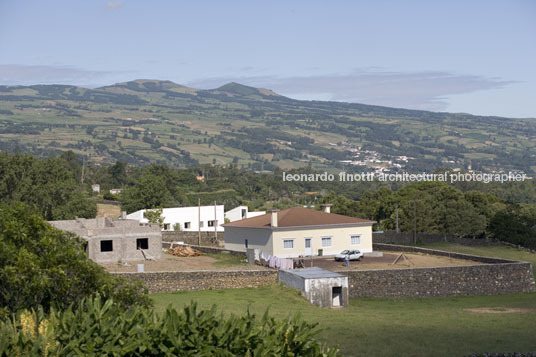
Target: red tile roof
[{"x": 299, "y": 217}]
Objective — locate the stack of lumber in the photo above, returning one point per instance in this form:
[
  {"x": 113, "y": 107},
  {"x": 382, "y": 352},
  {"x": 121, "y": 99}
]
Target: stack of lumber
[{"x": 184, "y": 251}]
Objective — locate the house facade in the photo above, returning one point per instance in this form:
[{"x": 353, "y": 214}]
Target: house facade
[
  {"x": 188, "y": 219},
  {"x": 113, "y": 240},
  {"x": 299, "y": 231}
]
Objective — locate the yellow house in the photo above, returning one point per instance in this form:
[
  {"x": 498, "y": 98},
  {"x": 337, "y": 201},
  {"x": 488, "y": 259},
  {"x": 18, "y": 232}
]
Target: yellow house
[{"x": 299, "y": 231}]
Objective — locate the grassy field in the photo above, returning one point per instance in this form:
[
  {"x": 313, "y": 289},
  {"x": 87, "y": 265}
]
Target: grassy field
[
  {"x": 498, "y": 251},
  {"x": 450, "y": 326},
  {"x": 453, "y": 326}
]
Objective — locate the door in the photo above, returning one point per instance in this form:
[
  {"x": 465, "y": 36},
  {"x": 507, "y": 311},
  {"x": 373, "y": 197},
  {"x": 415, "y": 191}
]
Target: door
[
  {"x": 336, "y": 295},
  {"x": 308, "y": 250}
]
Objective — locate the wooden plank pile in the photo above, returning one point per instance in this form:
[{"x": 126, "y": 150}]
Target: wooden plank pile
[{"x": 185, "y": 251}]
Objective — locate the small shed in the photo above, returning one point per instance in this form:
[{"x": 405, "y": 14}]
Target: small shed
[{"x": 321, "y": 287}]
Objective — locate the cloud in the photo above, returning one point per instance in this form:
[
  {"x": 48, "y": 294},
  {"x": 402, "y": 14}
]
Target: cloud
[
  {"x": 15, "y": 74},
  {"x": 112, "y": 5},
  {"x": 427, "y": 90}
]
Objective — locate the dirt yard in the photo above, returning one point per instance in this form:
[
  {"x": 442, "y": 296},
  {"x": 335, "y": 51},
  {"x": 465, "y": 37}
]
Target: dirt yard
[
  {"x": 386, "y": 262},
  {"x": 172, "y": 263}
]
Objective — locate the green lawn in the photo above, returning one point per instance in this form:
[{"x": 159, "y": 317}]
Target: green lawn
[
  {"x": 388, "y": 327},
  {"x": 498, "y": 251}
]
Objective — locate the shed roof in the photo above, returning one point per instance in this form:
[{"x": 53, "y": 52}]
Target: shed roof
[
  {"x": 299, "y": 217},
  {"x": 314, "y": 273}
]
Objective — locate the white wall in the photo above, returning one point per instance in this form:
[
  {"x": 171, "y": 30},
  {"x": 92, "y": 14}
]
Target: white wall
[
  {"x": 236, "y": 213},
  {"x": 182, "y": 215},
  {"x": 340, "y": 240},
  {"x": 258, "y": 238}
]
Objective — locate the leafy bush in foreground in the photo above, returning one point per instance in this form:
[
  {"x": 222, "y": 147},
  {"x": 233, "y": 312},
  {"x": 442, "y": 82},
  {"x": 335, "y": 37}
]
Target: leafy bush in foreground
[
  {"x": 98, "y": 327},
  {"x": 43, "y": 266}
]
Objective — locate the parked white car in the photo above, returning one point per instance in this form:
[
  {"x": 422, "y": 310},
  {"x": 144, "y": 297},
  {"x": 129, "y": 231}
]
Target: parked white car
[{"x": 354, "y": 255}]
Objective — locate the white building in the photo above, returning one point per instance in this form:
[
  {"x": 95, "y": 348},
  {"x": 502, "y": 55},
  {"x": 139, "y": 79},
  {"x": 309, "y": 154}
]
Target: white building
[
  {"x": 188, "y": 218},
  {"x": 241, "y": 212}
]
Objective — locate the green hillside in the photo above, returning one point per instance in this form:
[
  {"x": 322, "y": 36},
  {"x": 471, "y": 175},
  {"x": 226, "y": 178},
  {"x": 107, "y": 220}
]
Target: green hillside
[{"x": 151, "y": 121}]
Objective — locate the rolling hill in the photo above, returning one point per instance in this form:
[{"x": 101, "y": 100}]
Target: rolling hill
[{"x": 146, "y": 121}]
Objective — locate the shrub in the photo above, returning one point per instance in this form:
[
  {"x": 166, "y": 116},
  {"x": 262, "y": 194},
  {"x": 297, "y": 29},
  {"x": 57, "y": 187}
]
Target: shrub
[{"x": 98, "y": 327}]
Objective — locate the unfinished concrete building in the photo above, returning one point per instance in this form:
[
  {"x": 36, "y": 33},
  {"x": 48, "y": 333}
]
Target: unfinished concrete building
[
  {"x": 113, "y": 240},
  {"x": 321, "y": 287}
]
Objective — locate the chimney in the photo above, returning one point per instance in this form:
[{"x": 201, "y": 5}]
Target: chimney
[
  {"x": 123, "y": 214},
  {"x": 327, "y": 207},
  {"x": 273, "y": 217}
]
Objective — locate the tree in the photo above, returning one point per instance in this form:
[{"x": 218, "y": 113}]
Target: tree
[
  {"x": 154, "y": 215},
  {"x": 150, "y": 192},
  {"x": 40, "y": 265}
]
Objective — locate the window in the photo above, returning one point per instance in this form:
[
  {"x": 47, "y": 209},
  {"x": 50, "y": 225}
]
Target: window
[
  {"x": 288, "y": 243},
  {"x": 142, "y": 243},
  {"x": 326, "y": 242},
  {"x": 166, "y": 226},
  {"x": 355, "y": 239},
  {"x": 187, "y": 225},
  {"x": 210, "y": 223},
  {"x": 106, "y": 246},
  {"x": 246, "y": 243},
  {"x": 244, "y": 213},
  {"x": 201, "y": 224}
]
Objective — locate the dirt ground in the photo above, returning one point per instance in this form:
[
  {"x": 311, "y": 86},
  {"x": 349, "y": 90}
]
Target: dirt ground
[
  {"x": 172, "y": 263},
  {"x": 385, "y": 262}
]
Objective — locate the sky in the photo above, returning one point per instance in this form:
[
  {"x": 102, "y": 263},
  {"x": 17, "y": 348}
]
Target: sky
[{"x": 476, "y": 56}]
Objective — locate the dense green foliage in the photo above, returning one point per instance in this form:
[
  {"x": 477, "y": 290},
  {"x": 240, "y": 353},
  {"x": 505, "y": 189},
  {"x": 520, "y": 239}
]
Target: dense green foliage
[
  {"x": 101, "y": 328},
  {"x": 49, "y": 184},
  {"x": 144, "y": 121},
  {"x": 461, "y": 209},
  {"x": 42, "y": 266}
]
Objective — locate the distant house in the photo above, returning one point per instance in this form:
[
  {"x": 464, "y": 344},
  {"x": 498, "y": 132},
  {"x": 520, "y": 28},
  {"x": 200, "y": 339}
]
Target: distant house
[
  {"x": 115, "y": 191},
  {"x": 300, "y": 231},
  {"x": 241, "y": 212},
  {"x": 187, "y": 218},
  {"x": 95, "y": 188},
  {"x": 113, "y": 240}
]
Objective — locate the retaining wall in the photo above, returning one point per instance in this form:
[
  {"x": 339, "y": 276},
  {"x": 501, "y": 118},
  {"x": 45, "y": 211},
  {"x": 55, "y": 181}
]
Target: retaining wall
[
  {"x": 207, "y": 238},
  {"x": 494, "y": 276},
  {"x": 160, "y": 282}
]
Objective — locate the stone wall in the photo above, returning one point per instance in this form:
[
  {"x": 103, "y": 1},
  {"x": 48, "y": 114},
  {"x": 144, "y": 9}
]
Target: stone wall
[
  {"x": 494, "y": 276},
  {"x": 207, "y": 238},
  {"x": 407, "y": 238},
  {"x": 160, "y": 282},
  {"x": 488, "y": 279}
]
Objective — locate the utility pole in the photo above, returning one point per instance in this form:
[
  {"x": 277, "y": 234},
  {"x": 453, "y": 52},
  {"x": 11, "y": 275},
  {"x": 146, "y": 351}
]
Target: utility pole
[
  {"x": 396, "y": 213},
  {"x": 199, "y": 221},
  {"x": 414, "y": 223},
  {"x": 215, "y": 223}
]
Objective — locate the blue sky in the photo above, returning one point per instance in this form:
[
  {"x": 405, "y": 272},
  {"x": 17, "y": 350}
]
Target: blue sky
[{"x": 459, "y": 56}]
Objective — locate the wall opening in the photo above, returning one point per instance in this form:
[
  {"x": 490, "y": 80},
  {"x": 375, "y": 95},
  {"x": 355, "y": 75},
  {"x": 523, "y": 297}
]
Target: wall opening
[
  {"x": 106, "y": 245},
  {"x": 336, "y": 294},
  {"x": 142, "y": 243}
]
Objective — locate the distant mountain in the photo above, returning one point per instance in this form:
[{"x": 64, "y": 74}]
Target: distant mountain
[{"x": 144, "y": 121}]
